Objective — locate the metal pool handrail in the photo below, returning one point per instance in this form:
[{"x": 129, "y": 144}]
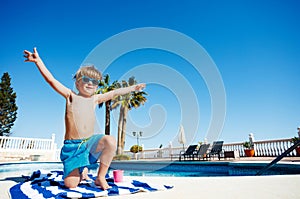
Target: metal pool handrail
[{"x": 279, "y": 158}]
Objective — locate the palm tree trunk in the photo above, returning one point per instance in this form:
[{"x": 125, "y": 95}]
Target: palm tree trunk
[
  {"x": 107, "y": 117},
  {"x": 123, "y": 135},
  {"x": 120, "y": 123}
]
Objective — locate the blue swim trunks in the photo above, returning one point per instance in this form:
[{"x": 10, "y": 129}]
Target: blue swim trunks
[{"x": 77, "y": 154}]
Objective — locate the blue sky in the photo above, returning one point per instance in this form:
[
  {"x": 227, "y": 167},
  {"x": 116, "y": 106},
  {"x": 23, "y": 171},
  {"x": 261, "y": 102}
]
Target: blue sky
[{"x": 255, "y": 46}]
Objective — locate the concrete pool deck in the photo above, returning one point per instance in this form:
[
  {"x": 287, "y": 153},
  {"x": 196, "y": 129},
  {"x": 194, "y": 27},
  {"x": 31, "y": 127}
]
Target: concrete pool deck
[{"x": 277, "y": 186}]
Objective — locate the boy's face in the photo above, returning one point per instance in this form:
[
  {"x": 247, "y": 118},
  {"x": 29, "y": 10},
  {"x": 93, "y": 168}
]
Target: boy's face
[{"x": 87, "y": 86}]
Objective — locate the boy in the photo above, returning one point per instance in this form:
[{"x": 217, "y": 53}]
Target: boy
[{"x": 81, "y": 146}]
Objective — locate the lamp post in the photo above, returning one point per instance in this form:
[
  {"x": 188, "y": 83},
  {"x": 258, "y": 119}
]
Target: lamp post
[{"x": 138, "y": 135}]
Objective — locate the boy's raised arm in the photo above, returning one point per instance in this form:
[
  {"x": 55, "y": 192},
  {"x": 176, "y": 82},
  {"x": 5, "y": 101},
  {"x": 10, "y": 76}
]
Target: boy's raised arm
[
  {"x": 121, "y": 91},
  {"x": 56, "y": 85}
]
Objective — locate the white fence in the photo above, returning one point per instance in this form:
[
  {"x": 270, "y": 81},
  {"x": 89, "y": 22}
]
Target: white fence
[
  {"x": 266, "y": 148},
  {"x": 14, "y": 148},
  {"x": 17, "y": 148}
]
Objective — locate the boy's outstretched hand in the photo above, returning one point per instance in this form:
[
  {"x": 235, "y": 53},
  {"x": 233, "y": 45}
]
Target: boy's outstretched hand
[
  {"x": 140, "y": 87},
  {"x": 31, "y": 57}
]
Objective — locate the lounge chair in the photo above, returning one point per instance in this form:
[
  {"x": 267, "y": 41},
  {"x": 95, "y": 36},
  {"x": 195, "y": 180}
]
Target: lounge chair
[
  {"x": 216, "y": 149},
  {"x": 202, "y": 152},
  {"x": 189, "y": 153}
]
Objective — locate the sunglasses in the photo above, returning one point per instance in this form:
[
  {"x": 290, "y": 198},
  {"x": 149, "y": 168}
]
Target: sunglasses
[{"x": 87, "y": 80}]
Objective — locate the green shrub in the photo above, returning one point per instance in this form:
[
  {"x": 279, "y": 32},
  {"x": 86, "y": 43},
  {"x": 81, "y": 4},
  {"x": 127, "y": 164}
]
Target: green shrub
[
  {"x": 121, "y": 157},
  {"x": 295, "y": 140},
  {"x": 247, "y": 145},
  {"x": 136, "y": 149}
]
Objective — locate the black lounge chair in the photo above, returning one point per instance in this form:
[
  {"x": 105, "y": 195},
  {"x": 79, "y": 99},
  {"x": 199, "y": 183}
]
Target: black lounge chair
[
  {"x": 189, "y": 153},
  {"x": 202, "y": 152},
  {"x": 216, "y": 149}
]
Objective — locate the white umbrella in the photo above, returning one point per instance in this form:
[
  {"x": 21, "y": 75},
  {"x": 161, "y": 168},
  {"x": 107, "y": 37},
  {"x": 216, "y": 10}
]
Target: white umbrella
[
  {"x": 170, "y": 148},
  {"x": 181, "y": 136}
]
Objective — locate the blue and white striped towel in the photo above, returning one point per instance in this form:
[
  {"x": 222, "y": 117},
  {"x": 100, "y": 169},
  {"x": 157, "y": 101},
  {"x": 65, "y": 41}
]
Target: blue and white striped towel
[{"x": 44, "y": 184}]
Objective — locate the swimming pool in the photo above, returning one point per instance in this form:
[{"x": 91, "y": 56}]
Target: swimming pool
[
  {"x": 161, "y": 169},
  {"x": 17, "y": 169},
  {"x": 203, "y": 168}
]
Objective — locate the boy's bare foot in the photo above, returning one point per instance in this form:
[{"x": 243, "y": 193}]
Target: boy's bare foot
[
  {"x": 102, "y": 183},
  {"x": 84, "y": 175}
]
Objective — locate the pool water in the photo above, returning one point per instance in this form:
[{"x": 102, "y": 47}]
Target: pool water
[
  {"x": 26, "y": 168},
  {"x": 161, "y": 169},
  {"x": 202, "y": 168},
  {"x": 171, "y": 173}
]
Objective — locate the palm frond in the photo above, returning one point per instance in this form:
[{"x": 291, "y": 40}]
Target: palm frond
[
  {"x": 106, "y": 79},
  {"x": 132, "y": 81},
  {"x": 100, "y": 105},
  {"x": 124, "y": 84}
]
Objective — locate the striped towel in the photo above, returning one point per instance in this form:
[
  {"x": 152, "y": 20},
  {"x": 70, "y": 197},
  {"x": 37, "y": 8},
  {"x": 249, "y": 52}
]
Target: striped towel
[{"x": 44, "y": 184}]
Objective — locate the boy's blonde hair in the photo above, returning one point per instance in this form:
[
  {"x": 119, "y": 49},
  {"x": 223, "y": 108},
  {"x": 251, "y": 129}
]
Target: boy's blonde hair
[{"x": 89, "y": 71}]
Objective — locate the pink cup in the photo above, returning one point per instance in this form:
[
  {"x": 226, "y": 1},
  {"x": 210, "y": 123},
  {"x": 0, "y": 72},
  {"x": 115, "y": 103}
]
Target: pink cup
[{"x": 118, "y": 175}]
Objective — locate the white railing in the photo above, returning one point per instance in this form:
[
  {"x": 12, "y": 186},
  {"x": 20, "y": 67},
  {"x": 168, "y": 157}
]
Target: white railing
[
  {"x": 266, "y": 148},
  {"x": 46, "y": 149},
  {"x": 27, "y": 148}
]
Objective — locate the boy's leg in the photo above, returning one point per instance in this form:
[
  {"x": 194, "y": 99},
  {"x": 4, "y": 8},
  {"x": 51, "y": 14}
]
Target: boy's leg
[
  {"x": 100, "y": 180},
  {"x": 107, "y": 146},
  {"x": 73, "y": 179}
]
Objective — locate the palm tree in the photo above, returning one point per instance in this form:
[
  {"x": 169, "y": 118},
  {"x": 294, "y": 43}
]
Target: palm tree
[
  {"x": 126, "y": 102},
  {"x": 104, "y": 88}
]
